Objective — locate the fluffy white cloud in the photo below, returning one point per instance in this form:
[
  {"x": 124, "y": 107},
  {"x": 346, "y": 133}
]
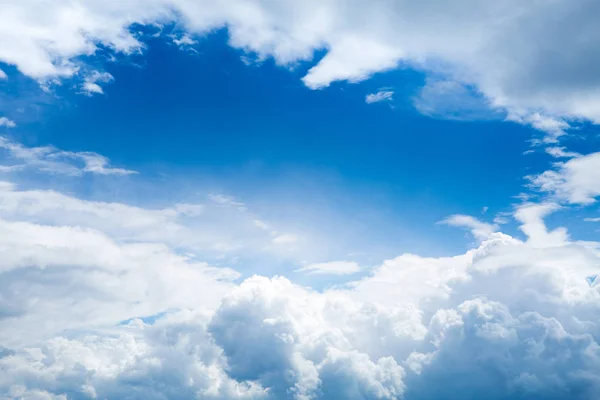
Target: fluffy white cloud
[
  {"x": 576, "y": 181},
  {"x": 54, "y": 161},
  {"x": 536, "y": 60},
  {"x": 519, "y": 323}
]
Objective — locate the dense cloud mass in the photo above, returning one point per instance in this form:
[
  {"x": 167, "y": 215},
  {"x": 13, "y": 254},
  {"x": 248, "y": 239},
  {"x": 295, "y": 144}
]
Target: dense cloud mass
[
  {"x": 536, "y": 59},
  {"x": 86, "y": 315}
]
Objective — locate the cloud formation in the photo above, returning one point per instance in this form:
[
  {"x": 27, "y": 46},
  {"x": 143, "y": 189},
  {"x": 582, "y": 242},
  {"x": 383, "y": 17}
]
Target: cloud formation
[
  {"x": 535, "y": 60},
  {"x": 331, "y": 268},
  {"x": 96, "y": 305},
  {"x": 382, "y": 95},
  {"x": 54, "y": 161},
  {"x": 576, "y": 181}
]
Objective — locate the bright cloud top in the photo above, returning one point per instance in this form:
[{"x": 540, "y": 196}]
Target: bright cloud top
[
  {"x": 536, "y": 60},
  {"x": 510, "y": 318}
]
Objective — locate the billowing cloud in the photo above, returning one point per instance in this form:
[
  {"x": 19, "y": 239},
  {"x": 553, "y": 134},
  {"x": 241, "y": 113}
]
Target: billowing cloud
[
  {"x": 535, "y": 60},
  {"x": 88, "y": 311}
]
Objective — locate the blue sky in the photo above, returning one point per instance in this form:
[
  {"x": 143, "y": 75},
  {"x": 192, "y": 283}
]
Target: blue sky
[
  {"x": 309, "y": 200},
  {"x": 256, "y": 132}
]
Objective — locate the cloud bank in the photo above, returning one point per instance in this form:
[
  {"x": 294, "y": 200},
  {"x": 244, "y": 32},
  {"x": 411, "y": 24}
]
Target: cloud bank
[{"x": 97, "y": 302}]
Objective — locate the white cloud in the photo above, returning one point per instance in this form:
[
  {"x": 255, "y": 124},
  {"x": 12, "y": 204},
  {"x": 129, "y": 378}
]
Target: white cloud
[
  {"x": 54, "y": 161},
  {"x": 7, "y": 122},
  {"x": 576, "y": 181},
  {"x": 591, "y": 219},
  {"x": 532, "y": 218},
  {"x": 561, "y": 152},
  {"x": 522, "y": 57},
  {"x": 480, "y": 230},
  {"x": 90, "y": 83},
  {"x": 331, "y": 268},
  {"x": 3, "y": 75},
  {"x": 555, "y": 127},
  {"x": 382, "y": 95},
  {"x": 75, "y": 285},
  {"x": 184, "y": 40}
]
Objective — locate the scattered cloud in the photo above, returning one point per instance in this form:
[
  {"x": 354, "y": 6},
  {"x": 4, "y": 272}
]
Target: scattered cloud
[
  {"x": 561, "y": 152},
  {"x": 3, "y": 75},
  {"x": 554, "y": 127},
  {"x": 576, "y": 181},
  {"x": 7, "y": 122},
  {"x": 184, "y": 40},
  {"x": 331, "y": 268},
  {"x": 54, "y": 161},
  {"x": 382, "y": 95},
  {"x": 91, "y": 82},
  {"x": 480, "y": 230}
]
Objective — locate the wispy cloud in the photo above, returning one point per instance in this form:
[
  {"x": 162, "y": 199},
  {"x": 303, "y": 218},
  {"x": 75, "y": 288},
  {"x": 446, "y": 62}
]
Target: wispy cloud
[
  {"x": 481, "y": 230},
  {"x": 51, "y": 160},
  {"x": 383, "y": 95},
  {"x": 331, "y": 268},
  {"x": 91, "y": 82}
]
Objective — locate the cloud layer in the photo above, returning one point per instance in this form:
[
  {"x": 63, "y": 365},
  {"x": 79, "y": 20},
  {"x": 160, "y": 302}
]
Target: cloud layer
[
  {"x": 536, "y": 60},
  {"x": 92, "y": 308}
]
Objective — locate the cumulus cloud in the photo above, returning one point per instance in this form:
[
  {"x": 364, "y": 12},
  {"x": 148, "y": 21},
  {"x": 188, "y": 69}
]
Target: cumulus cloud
[
  {"x": 513, "y": 323},
  {"x": 51, "y": 160},
  {"x": 526, "y": 58},
  {"x": 331, "y": 268},
  {"x": 3, "y": 75},
  {"x": 382, "y": 95},
  {"x": 576, "y": 181}
]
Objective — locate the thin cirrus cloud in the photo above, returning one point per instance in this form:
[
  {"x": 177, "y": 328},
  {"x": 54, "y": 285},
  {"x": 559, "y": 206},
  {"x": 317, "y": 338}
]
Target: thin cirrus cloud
[
  {"x": 331, "y": 268},
  {"x": 54, "y": 161},
  {"x": 382, "y": 95},
  {"x": 493, "y": 47}
]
